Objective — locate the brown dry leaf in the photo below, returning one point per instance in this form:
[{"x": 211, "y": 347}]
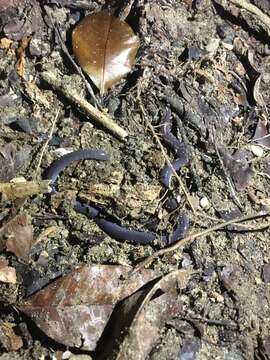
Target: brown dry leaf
[
  {"x": 145, "y": 312},
  {"x": 17, "y": 236},
  {"x": 7, "y": 273},
  {"x": 105, "y": 48},
  {"x": 75, "y": 309},
  {"x": 8, "y": 339}
]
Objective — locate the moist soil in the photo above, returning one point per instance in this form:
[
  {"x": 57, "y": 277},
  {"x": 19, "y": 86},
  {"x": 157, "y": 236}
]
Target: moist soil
[{"x": 207, "y": 61}]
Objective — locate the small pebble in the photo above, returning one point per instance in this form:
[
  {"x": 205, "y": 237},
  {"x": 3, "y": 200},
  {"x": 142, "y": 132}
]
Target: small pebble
[
  {"x": 256, "y": 150},
  {"x": 227, "y": 46},
  {"x": 213, "y": 46},
  {"x": 39, "y": 47},
  {"x": 204, "y": 202}
]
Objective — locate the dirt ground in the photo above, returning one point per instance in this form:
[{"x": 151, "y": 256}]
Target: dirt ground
[{"x": 209, "y": 62}]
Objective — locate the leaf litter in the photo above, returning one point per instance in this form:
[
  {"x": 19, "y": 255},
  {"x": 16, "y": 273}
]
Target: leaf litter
[
  {"x": 75, "y": 309},
  {"x": 105, "y": 48},
  {"x": 146, "y": 311},
  {"x": 16, "y": 236},
  {"x": 7, "y": 273},
  {"x": 213, "y": 90}
]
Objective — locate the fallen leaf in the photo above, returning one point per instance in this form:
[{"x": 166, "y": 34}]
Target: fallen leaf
[
  {"x": 262, "y": 135},
  {"x": 5, "y": 4},
  {"x": 238, "y": 168},
  {"x": 75, "y": 309},
  {"x": 105, "y": 48},
  {"x": 141, "y": 316},
  {"x": 229, "y": 276},
  {"x": 7, "y": 273},
  {"x": 11, "y": 161},
  {"x": 261, "y": 89},
  {"x": 8, "y": 339},
  {"x": 17, "y": 236}
]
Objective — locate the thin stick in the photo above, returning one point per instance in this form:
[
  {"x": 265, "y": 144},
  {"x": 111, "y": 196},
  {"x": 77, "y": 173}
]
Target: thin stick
[
  {"x": 254, "y": 10},
  {"x": 228, "y": 178},
  {"x": 100, "y": 117},
  {"x": 46, "y": 143},
  {"x": 167, "y": 160},
  {"x": 188, "y": 239},
  {"x": 123, "y": 11},
  {"x": 66, "y": 52}
]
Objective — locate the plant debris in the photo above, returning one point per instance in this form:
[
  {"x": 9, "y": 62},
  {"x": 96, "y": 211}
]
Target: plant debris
[
  {"x": 75, "y": 309},
  {"x": 149, "y": 307},
  {"x": 7, "y": 273},
  {"x": 22, "y": 189},
  {"x": 70, "y": 290},
  {"x": 105, "y": 47},
  {"x": 16, "y": 236},
  {"x": 8, "y": 338}
]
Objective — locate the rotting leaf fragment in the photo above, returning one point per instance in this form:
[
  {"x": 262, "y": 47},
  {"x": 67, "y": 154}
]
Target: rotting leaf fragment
[
  {"x": 151, "y": 306},
  {"x": 8, "y": 338},
  {"x": 105, "y": 48},
  {"x": 16, "y": 236},
  {"x": 75, "y": 309}
]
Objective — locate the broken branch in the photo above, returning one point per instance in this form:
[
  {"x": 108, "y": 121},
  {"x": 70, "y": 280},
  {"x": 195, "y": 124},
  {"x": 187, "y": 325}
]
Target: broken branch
[{"x": 100, "y": 117}]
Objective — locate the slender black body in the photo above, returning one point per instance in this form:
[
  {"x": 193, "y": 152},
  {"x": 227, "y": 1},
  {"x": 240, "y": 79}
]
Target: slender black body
[{"x": 111, "y": 228}]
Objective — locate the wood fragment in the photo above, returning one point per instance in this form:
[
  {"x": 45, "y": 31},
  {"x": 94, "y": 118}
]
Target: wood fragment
[
  {"x": 21, "y": 54},
  {"x": 46, "y": 143},
  {"x": 23, "y": 189},
  {"x": 100, "y": 117},
  {"x": 254, "y": 10}
]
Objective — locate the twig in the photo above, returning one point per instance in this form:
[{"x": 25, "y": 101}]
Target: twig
[
  {"x": 84, "y": 105},
  {"x": 227, "y": 323},
  {"x": 243, "y": 228},
  {"x": 124, "y": 9},
  {"x": 46, "y": 144},
  {"x": 229, "y": 180},
  {"x": 254, "y": 10},
  {"x": 188, "y": 239},
  {"x": 66, "y": 52},
  {"x": 167, "y": 160}
]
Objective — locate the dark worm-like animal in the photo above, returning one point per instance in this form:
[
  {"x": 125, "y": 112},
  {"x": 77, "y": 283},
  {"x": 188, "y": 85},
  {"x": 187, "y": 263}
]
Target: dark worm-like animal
[
  {"x": 111, "y": 228},
  {"x": 178, "y": 147},
  {"x": 58, "y": 166}
]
